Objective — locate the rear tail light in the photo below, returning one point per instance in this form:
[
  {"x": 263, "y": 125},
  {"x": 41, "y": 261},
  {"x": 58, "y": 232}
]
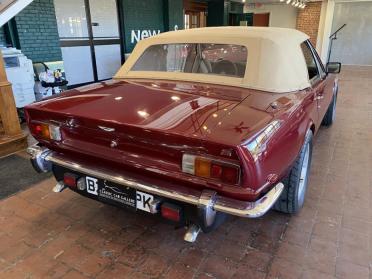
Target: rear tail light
[
  {"x": 70, "y": 180},
  {"x": 171, "y": 212},
  {"x": 209, "y": 168},
  {"x": 46, "y": 131}
]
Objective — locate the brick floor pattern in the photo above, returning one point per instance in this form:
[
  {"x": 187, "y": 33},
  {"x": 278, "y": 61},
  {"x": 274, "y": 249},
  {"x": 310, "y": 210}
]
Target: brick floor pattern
[{"x": 48, "y": 235}]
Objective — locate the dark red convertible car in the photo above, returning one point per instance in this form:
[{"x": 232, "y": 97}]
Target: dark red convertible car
[{"x": 195, "y": 125}]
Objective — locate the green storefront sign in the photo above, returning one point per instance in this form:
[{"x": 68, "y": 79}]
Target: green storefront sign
[{"x": 146, "y": 18}]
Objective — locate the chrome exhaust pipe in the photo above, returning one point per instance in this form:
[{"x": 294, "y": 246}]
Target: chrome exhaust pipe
[
  {"x": 60, "y": 186},
  {"x": 192, "y": 233}
]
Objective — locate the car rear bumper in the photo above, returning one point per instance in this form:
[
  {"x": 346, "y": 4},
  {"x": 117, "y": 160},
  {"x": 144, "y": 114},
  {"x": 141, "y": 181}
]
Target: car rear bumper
[{"x": 42, "y": 159}]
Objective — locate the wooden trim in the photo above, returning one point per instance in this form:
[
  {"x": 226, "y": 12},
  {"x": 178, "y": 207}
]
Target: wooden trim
[
  {"x": 12, "y": 138},
  {"x": 12, "y": 144},
  {"x": 8, "y": 110},
  {"x": 5, "y": 4},
  {"x": 194, "y": 6}
]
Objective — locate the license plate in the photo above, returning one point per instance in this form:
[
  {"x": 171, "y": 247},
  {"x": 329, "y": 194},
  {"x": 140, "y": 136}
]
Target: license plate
[{"x": 119, "y": 195}]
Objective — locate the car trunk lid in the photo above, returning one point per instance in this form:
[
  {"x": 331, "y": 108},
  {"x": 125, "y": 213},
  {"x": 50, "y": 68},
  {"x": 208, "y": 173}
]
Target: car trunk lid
[{"x": 129, "y": 119}]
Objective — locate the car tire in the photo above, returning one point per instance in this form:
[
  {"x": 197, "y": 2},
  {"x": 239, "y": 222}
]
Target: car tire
[
  {"x": 295, "y": 183},
  {"x": 330, "y": 115}
]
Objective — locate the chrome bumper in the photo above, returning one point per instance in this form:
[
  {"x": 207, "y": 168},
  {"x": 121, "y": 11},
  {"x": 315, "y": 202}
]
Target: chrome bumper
[{"x": 206, "y": 198}]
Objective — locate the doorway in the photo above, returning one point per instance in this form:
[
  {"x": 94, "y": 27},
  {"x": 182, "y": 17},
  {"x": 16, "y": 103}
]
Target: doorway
[
  {"x": 195, "y": 14},
  {"x": 89, "y": 35},
  {"x": 241, "y": 19},
  {"x": 261, "y": 19}
]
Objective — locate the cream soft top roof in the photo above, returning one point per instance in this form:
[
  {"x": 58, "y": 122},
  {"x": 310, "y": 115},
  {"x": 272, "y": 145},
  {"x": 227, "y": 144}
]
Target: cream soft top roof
[{"x": 275, "y": 60}]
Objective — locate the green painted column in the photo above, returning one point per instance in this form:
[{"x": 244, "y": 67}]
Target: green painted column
[
  {"x": 218, "y": 13},
  {"x": 145, "y": 18},
  {"x": 2, "y": 37},
  {"x": 142, "y": 19},
  {"x": 173, "y": 9}
]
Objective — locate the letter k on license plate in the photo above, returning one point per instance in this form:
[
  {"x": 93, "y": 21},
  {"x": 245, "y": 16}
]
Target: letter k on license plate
[
  {"x": 144, "y": 200},
  {"x": 118, "y": 195}
]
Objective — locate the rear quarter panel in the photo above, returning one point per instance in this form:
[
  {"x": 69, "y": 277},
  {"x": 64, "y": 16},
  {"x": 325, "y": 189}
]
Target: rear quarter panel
[{"x": 268, "y": 156}]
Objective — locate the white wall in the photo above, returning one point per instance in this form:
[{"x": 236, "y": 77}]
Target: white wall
[
  {"x": 281, "y": 15},
  {"x": 325, "y": 25},
  {"x": 354, "y": 43}
]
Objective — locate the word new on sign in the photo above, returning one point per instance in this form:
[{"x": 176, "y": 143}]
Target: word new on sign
[{"x": 137, "y": 35}]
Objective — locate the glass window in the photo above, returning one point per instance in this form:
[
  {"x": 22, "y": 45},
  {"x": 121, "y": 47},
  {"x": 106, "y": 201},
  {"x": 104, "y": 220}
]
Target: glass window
[
  {"x": 318, "y": 61},
  {"x": 103, "y": 14},
  {"x": 215, "y": 59},
  {"x": 71, "y": 18},
  {"x": 310, "y": 62}
]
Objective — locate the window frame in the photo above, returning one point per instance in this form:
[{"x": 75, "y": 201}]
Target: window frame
[
  {"x": 313, "y": 81},
  {"x": 323, "y": 72}
]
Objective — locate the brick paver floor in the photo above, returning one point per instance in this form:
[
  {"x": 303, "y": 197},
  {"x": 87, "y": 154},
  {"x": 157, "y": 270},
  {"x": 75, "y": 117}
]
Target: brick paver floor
[{"x": 43, "y": 234}]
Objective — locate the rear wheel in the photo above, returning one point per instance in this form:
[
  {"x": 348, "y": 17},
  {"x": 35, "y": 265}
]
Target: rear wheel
[{"x": 293, "y": 196}]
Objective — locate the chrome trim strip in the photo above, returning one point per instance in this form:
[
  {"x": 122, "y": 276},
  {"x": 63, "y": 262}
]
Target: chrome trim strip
[
  {"x": 107, "y": 129},
  {"x": 219, "y": 203}
]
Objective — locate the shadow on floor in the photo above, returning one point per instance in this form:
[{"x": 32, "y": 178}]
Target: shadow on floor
[{"x": 16, "y": 174}]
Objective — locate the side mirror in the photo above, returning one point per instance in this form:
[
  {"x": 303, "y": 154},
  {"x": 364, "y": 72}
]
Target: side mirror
[{"x": 333, "y": 67}]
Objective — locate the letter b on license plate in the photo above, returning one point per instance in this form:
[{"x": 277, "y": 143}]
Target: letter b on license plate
[
  {"x": 143, "y": 201},
  {"x": 92, "y": 185}
]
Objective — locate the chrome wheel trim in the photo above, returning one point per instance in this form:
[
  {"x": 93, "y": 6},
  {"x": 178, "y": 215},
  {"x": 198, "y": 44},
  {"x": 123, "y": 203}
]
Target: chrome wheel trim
[
  {"x": 334, "y": 108},
  {"x": 303, "y": 175}
]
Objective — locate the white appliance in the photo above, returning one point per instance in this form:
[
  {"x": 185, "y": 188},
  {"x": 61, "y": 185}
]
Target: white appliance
[{"x": 20, "y": 74}]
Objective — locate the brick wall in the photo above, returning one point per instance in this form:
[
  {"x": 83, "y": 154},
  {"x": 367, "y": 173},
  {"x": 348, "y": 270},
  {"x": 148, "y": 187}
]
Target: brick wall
[
  {"x": 2, "y": 37},
  {"x": 38, "y": 33},
  {"x": 308, "y": 20}
]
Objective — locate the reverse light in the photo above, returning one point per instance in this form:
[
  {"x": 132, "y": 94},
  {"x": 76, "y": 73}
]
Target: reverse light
[
  {"x": 80, "y": 184},
  {"x": 55, "y": 132},
  {"x": 46, "y": 131},
  {"x": 209, "y": 168}
]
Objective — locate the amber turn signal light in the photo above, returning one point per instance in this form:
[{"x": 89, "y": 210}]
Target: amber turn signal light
[
  {"x": 46, "y": 131},
  {"x": 41, "y": 130},
  {"x": 210, "y": 168}
]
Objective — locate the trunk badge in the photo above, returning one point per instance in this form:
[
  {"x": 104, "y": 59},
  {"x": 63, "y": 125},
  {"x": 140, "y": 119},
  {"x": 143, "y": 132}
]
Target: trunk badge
[
  {"x": 107, "y": 129},
  {"x": 114, "y": 143},
  {"x": 70, "y": 123}
]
